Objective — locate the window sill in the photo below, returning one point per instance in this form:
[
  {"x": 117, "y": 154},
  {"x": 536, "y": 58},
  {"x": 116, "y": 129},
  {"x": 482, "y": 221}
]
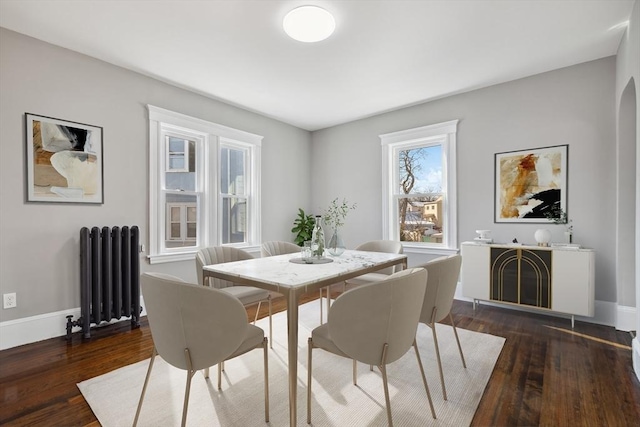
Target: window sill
[
  {"x": 162, "y": 258},
  {"x": 191, "y": 255},
  {"x": 410, "y": 248}
]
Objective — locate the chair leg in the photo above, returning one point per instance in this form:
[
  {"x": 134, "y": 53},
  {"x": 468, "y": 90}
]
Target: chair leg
[
  {"x": 435, "y": 342},
  {"x": 328, "y": 300},
  {"x": 144, "y": 387},
  {"x": 270, "y": 325},
  {"x": 383, "y": 370},
  {"x": 321, "y": 316},
  {"x": 309, "y": 350},
  {"x": 255, "y": 319},
  {"x": 220, "y": 375},
  {"x": 455, "y": 332},
  {"x": 355, "y": 372},
  {"x": 424, "y": 379},
  {"x": 265, "y": 347},
  {"x": 190, "y": 373}
]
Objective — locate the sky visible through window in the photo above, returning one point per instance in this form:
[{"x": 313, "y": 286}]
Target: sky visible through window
[{"x": 429, "y": 176}]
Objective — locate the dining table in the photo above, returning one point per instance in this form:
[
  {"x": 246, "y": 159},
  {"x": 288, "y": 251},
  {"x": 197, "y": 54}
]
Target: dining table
[{"x": 293, "y": 276}]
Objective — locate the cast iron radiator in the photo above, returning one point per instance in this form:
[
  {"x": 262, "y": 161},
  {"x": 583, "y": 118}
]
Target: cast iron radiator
[{"x": 109, "y": 277}]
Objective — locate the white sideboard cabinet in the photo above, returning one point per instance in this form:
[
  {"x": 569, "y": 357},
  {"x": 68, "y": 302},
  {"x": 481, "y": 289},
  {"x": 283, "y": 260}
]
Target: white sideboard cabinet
[{"x": 545, "y": 278}]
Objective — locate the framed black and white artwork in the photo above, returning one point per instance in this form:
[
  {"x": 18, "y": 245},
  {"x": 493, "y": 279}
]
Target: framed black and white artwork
[{"x": 64, "y": 161}]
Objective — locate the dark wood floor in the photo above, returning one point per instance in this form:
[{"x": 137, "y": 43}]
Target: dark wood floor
[{"x": 546, "y": 375}]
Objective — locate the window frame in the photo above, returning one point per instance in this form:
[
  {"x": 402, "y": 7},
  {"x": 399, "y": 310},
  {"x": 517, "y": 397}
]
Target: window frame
[
  {"x": 209, "y": 138},
  {"x": 443, "y": 134}
]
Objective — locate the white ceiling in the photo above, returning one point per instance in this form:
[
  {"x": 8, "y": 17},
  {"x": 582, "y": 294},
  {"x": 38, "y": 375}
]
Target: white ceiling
[{"x": 383, "y": 55}]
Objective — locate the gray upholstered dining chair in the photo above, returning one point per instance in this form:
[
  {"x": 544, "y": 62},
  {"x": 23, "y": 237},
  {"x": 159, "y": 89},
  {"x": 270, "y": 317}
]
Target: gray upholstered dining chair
[
  {"x": 195, "y": 327},
  {"x": 274, "y": 247},
  {"x": 387, "y": 246},
  {"x": 438, "y": 299},
  {"x": 374, "y": 324},
  {"x": 248, "y": 295}
]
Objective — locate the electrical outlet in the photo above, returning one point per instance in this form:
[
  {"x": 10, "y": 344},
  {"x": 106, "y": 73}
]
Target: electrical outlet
[{"x": 9, "y": 300}]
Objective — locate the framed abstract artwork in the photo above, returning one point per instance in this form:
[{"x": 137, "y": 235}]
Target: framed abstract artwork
[
  {"x": 64, "y": 161},
  {"x": 530, "y": 183}
]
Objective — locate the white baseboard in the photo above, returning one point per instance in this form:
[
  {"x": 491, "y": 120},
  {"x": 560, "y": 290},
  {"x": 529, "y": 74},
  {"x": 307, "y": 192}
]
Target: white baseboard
[
  {"x": 28, "y": 330},
  {"x": 14, "y": 333},
  {"x": 605, "y": 312},
  {"x": 626, "y": 318}
]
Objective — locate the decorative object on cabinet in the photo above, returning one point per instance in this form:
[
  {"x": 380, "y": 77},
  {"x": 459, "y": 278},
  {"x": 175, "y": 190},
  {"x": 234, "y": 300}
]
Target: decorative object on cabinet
[
  {"x": 530, "y": 183},
  {"x": 484, "y": 236},
  {"x": 64, "y": 161},
  {"x": 554, "y": 279},
  {"x": 542, "y": 236}
]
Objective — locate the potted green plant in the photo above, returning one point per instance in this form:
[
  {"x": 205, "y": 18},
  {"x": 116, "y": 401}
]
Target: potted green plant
[{"x": 303, "y": 227}]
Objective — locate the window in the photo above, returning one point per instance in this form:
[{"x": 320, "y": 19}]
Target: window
[
  {"x": 182, "y": 224},
  {"x": 419, "y": 192},
  {"x": 232, "y": 191},
  {"x": 204, "y": 186},
  {"x": 178, "y": 154}
]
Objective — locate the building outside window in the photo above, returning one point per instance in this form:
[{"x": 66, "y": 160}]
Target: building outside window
[
  {"x": 182, "y": 224},
  {"x": 204, "y": 186},
  {"x": 419, "y": 193}
]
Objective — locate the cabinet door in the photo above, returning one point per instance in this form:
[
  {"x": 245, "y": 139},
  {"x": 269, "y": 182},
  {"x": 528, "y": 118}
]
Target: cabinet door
[
  {"x": 573, "y": 282},
  {"x": 475, "y": 271}
]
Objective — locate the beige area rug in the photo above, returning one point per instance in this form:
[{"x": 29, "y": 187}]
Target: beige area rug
[{"x": 113, "y": 397}]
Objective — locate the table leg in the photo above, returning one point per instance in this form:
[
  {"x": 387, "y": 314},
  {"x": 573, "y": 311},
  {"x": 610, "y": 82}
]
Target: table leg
[{"x": 292, "y": 331}]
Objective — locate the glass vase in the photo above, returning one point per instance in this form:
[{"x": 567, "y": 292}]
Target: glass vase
[
  {"x": 568, "y": 235},
  {"x": 317, "y": 239},
  {"x": 336, "y": 244}
]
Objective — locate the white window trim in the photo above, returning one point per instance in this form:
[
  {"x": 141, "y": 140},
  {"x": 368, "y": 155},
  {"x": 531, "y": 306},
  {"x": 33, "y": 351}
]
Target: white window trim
[
  {"x": 209, "y": 134},
  {"x": 445, "y": 132}
]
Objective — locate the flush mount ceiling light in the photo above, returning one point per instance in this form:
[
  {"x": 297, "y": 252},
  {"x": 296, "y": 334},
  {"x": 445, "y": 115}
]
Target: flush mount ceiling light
[{"x": 309, "y": 24}]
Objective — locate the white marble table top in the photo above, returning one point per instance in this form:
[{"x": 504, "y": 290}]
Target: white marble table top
[{"x": 279, "y": 272}]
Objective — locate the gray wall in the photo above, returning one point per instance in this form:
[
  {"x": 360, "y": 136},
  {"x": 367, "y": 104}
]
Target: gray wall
[
  {"x": 39, "y": 254},
  {"x": 573, "y": 105},
  {"x": 39, "y": 242}
]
